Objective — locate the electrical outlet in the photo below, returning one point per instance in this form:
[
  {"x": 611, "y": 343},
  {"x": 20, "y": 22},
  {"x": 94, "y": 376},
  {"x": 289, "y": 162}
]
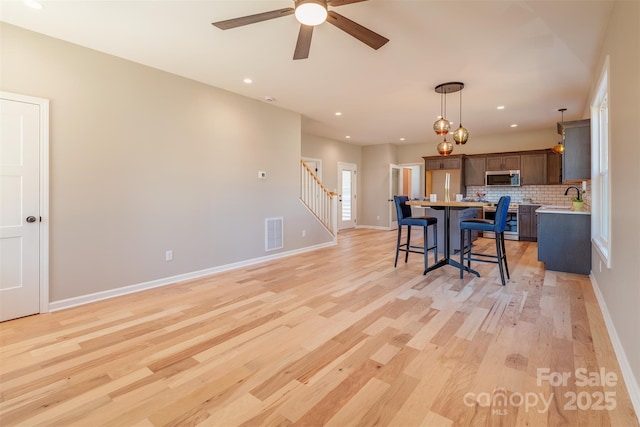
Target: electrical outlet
[
  {"x": 378, "y": 218},
  {"x": 304, "y": 233},
  {"x": 168, "y": 256}
]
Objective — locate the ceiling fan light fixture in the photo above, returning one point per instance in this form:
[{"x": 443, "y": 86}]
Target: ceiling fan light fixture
[{"x": 311, "y": 12}]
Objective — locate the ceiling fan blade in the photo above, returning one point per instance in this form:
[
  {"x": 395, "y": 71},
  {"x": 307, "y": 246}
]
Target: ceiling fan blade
[
  {"x": 365, "y": 35},
  {"x": 342, "y": 2},
  {"x": 304, "y": 42},
  {"x": 252, "y": 19}
]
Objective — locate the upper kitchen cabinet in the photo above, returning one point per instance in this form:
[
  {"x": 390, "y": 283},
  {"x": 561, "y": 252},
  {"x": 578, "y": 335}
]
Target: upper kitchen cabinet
[
  {"x": 503, "y": 162},
  {"x": 438, "y": 162},
  {"x": 474, "y": 169},
  {"x": 554, "y": 168},
  {"x": 533, "y": 168},
  {"x": 576, "y": 159}
]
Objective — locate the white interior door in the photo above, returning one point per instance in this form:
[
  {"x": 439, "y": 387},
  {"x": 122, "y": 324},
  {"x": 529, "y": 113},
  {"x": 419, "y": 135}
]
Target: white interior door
[
  {"x": 395, "y": 189},
  {"x": 20, "y": 210},
  {"x": 347, "y": 195}
]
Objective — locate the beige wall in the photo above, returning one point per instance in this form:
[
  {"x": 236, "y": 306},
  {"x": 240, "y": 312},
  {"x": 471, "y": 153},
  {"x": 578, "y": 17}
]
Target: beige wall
[
  {"x": 142, "y": 161},
  {"x": 375, "y": 175},
  {"x": 620, "y": 285},
  {"x": 331, "y": 153}
]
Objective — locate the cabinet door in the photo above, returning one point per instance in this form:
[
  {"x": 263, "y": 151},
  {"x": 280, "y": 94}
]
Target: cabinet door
[
  {"x": 524, "y": 222},
  {"x": 533, "y": 168},
  {"x": 451, "y": 163},
  {"x": 501, "y": 163},
  {"x": 474, "y": 169},
  {"x": 494, "y": 163},
  {"x": 554, "y": 168},
  {"x": 576, "y": 160},
  {"x": 511, "y": 162},
  {"x": 433, "y": 164}
]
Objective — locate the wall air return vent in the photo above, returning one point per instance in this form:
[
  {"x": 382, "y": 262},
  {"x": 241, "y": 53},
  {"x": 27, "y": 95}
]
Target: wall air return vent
[{"x": 273, "y": 229}]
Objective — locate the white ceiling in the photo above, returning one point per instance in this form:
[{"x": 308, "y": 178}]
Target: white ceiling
[{"x": 533, "y": 57}]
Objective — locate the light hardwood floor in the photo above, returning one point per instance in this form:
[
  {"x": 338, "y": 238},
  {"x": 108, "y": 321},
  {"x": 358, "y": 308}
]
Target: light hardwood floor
[{"x": 332, "y": 337}]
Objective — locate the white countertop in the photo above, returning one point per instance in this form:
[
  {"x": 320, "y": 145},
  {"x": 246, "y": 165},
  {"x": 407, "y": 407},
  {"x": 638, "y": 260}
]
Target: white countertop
[{"x": 561, "y": 210}]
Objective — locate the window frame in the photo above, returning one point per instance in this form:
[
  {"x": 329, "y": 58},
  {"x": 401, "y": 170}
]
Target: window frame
[{"x": 600, "y": 167}]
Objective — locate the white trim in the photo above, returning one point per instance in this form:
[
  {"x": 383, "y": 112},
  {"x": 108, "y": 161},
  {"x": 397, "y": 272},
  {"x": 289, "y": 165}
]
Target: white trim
[
  {"x": 375, "y": 227},
  {"x": 630, "y": 380},
  {"x": 125, "y": 290},
  {"x": 43, "y": 105}
]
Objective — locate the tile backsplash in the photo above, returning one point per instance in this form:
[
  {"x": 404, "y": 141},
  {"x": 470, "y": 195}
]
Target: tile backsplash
[{"x": 534, "y": 194}]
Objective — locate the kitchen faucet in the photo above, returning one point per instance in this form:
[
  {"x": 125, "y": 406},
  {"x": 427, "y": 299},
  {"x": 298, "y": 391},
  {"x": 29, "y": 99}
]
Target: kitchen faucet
[{"x": 579, "y": 197}]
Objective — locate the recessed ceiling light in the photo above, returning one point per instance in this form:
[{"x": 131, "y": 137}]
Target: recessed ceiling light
[
  {"x": 515, "y": 125},
  {"x": 269, "y": 98},
  {"x": 338, "y": 113},
  {"x": 33, "y": 4},
  {"x": 500, "y": 107},
  {"x": 348, "y": 136},
  {"x": 248, "y": 81},
  {"x": 401, "y": 139}
]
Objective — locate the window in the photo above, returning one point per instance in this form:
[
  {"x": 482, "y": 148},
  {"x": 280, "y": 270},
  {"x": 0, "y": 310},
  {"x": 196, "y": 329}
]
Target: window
[{"x": 601, "y": 185}]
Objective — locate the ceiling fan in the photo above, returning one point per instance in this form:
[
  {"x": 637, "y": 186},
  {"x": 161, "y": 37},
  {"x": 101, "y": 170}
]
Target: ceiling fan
[{"x": 322, "y": 14}]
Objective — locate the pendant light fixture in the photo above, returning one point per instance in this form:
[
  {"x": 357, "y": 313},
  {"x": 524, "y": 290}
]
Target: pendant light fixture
[
  {"x": 461, "y": 135},
  {"x": 559, "y": 149},
  {"x": 442, "y": 126},
  {"x": 445, "y": 148}
]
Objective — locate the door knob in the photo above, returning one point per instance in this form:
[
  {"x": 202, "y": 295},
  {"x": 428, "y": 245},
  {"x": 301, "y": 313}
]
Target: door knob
[{"x": 31, "y": 219}]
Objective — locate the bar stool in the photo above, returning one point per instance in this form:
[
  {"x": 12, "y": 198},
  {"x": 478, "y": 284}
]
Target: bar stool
[
  {"x": 497, "y": 227},
  {"x": 405, "y": 219}
]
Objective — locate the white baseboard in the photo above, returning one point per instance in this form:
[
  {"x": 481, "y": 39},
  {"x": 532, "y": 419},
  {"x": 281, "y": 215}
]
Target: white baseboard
[
  {"x": 629, "y": 378},
  {"x": 112, "y": 293},
  {"x": 374, "y": 227}
]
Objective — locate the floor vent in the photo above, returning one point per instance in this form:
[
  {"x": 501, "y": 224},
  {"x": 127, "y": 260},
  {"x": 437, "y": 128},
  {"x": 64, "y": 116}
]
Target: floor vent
[{"x": 273, "y": 234}]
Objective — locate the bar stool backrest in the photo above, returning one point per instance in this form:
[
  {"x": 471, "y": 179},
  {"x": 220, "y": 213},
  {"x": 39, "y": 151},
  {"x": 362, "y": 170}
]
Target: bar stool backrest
[
  {"x": 402, "y": 209},
  {"x": 501, "y": 214}
]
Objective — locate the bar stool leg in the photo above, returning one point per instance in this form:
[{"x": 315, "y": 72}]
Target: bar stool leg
[
  {"x": 500, "y": 258},
  {"x": 406, "y": 256},
  {"x": 395, "y": 264}
]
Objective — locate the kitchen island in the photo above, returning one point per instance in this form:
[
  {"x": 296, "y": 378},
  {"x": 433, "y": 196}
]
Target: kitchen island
[{"x": 564, "y": 239}]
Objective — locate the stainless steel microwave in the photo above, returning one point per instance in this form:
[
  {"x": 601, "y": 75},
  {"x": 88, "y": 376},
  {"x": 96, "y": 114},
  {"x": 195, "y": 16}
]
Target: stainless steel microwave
[{"x": 502, "y": 178}]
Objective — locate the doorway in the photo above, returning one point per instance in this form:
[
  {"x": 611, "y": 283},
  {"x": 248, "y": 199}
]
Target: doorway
[
  {"x": 347, "y": 206},
  {"x": 24, "y": 180},
  {"x": 404, "y": 180}
]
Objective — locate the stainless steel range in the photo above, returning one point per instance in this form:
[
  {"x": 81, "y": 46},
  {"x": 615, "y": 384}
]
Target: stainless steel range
[{"x": 511, "y": 230}]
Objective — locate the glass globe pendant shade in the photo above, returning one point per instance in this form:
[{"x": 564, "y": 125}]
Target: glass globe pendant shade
[
  {"x": 558, "y": 149},
  {"x": 445, "y": 148},
  {"x": 442, "y": 126},
  {"x": 311, "y": 12},
  {"x": 461, "y": 135}
]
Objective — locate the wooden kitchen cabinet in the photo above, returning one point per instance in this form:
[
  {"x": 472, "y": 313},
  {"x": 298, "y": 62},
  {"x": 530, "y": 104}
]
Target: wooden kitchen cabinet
[
  {"x": 438, "y": 162},
  {"x": 554, "y": 168},
  {"x": 474, "y": 169},
  {"x": 564, "y": 242},
  {"x": 527, "y": 223},
  {"x": 576, "y": 159},
  {"x": 533, "y": 169},
  {"x": 503, "y": 162}
]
